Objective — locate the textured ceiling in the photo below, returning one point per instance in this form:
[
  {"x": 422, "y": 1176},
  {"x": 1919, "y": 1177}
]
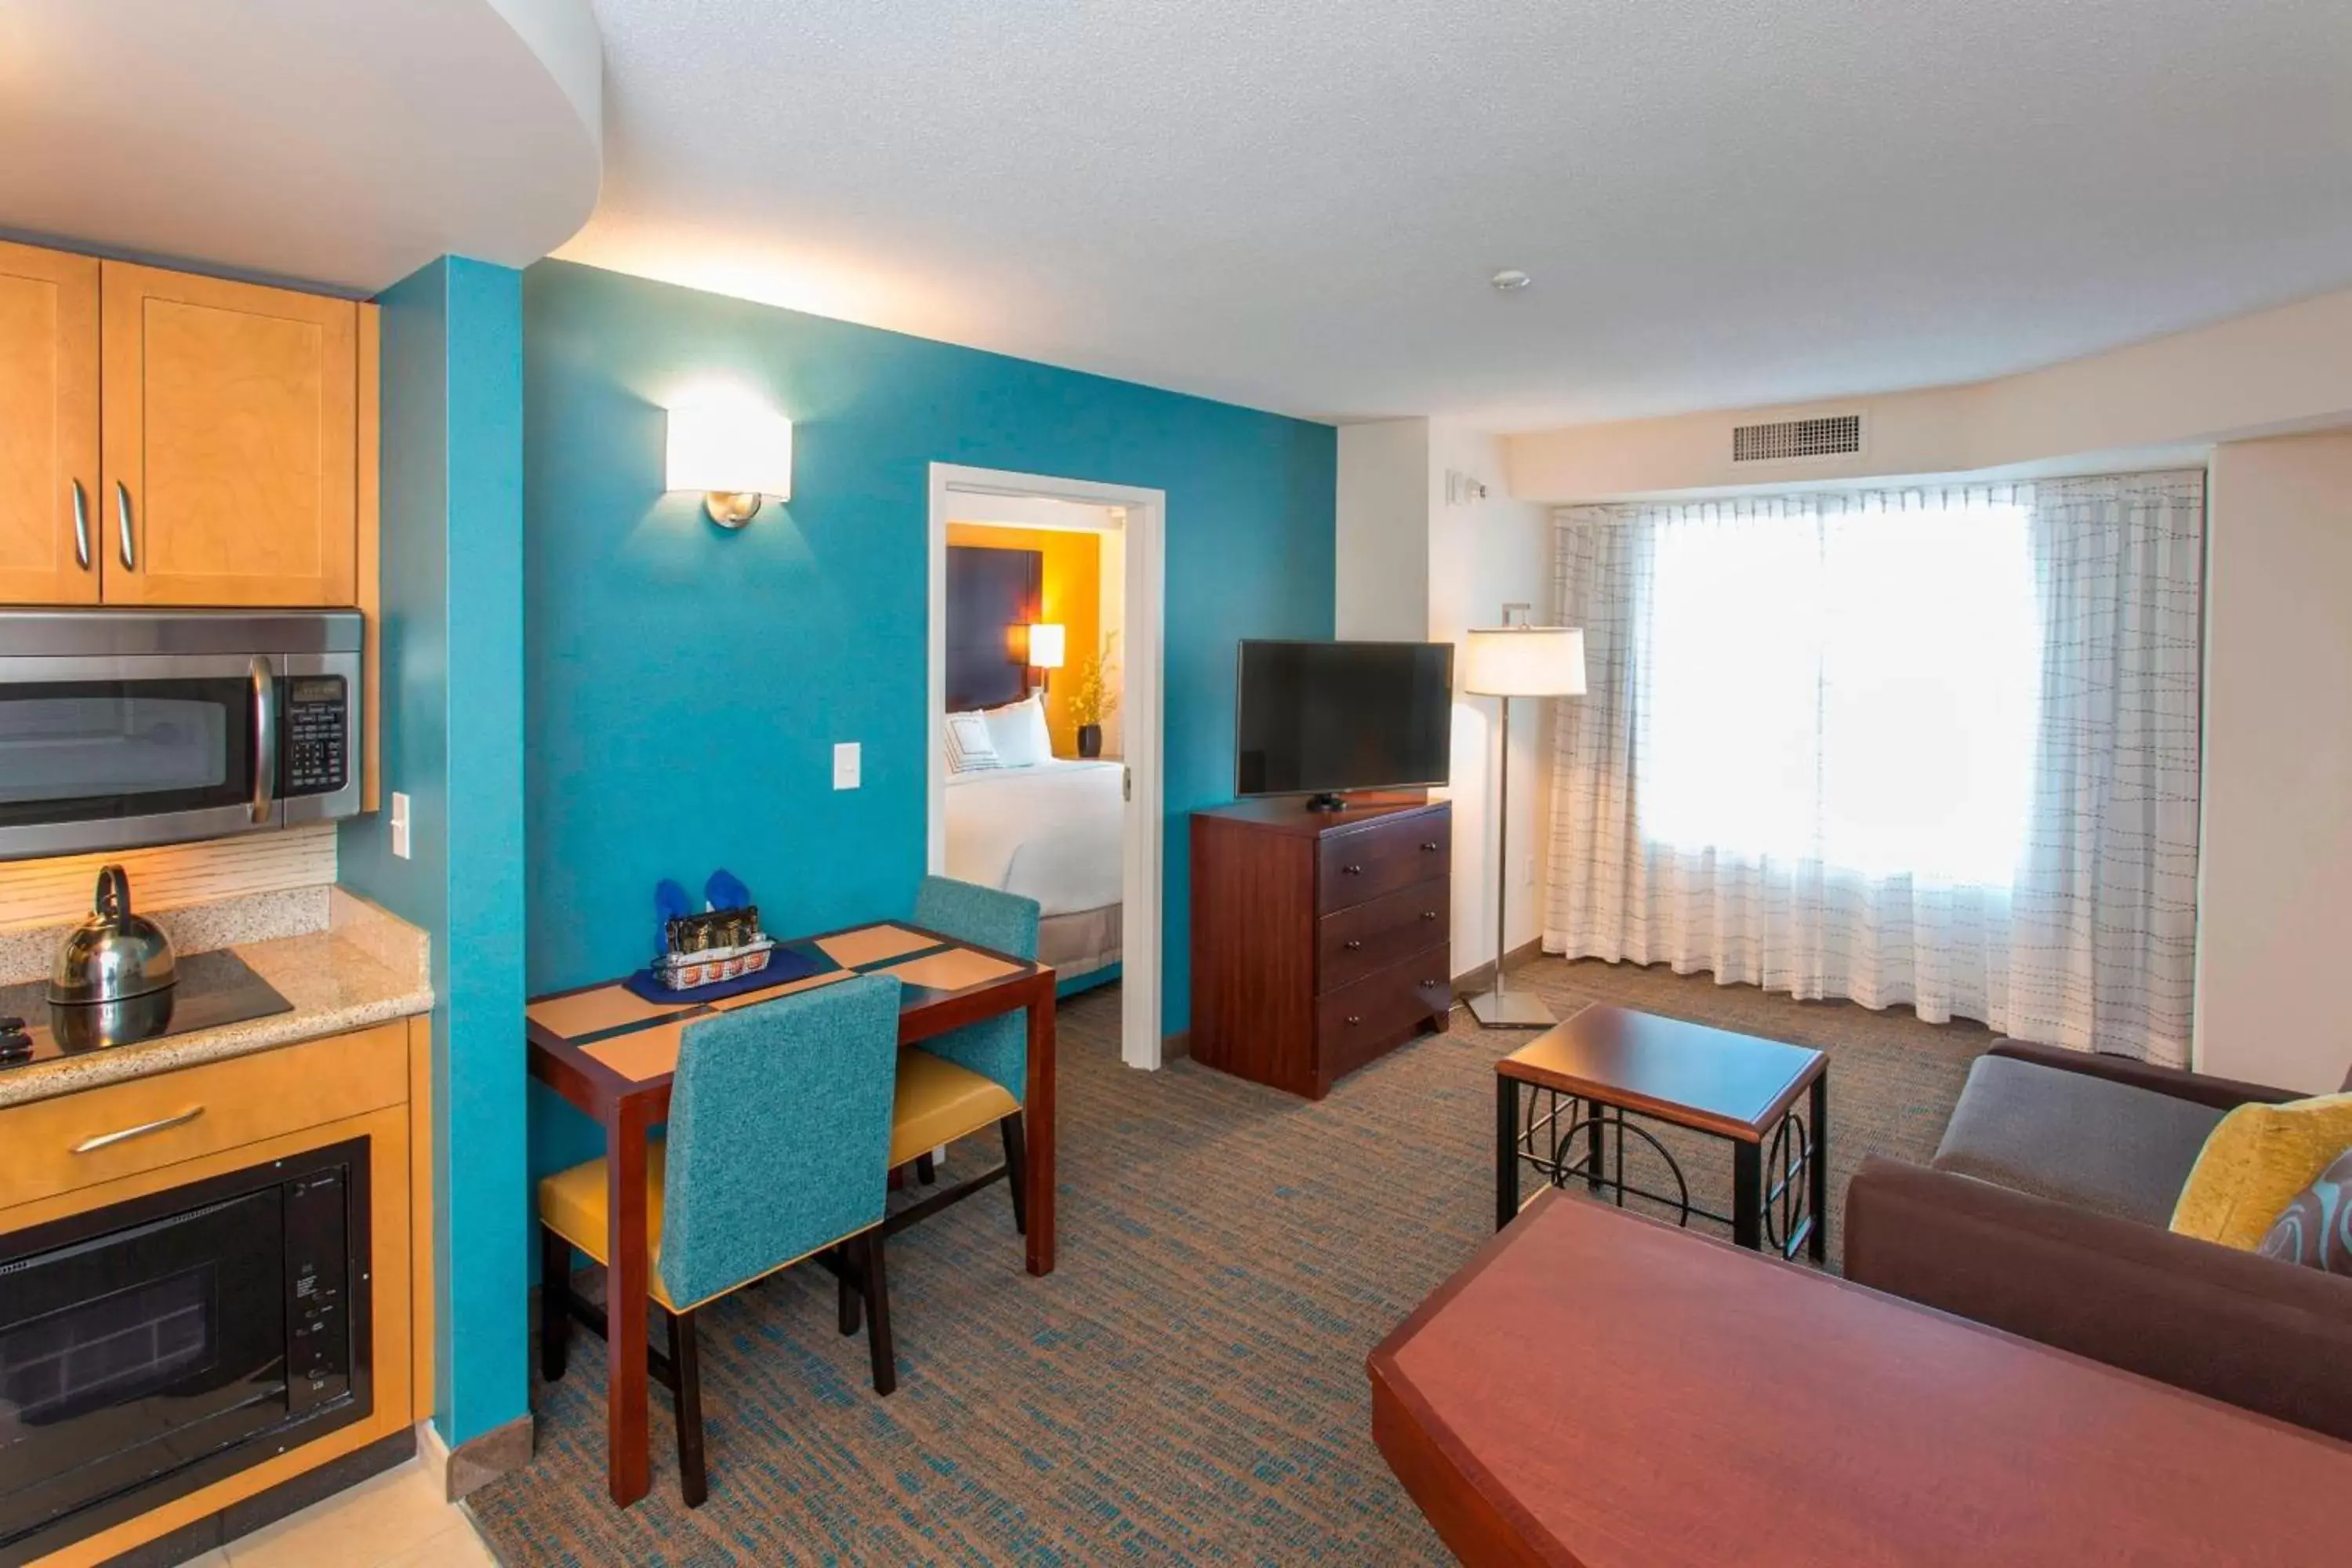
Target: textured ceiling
[{"x": 1295, "y": 204}]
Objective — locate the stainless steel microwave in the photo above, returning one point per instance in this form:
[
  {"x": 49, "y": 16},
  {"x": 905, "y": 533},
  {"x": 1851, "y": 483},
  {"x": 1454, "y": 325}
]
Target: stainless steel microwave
[{"x": 128, "y": 727}]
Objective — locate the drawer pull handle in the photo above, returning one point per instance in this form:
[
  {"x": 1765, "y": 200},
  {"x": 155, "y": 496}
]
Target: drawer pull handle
[
  {"x": 1352, "y": 870},
  {"x": 1353, "y": 1020},
  {"x": 1430, "y": 846},
  {"x": 1355, "y": 946},
  {"x": 108, "y": 1140}
]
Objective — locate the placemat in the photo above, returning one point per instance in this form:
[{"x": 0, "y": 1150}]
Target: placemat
[
  {"x": 593, "y": 1011},
  {"x": 642, "y": 1054},
  {"x": 953, "y": 970},
  {"x": 872, "y": 944},
  {"x": 810, "y": 983}
]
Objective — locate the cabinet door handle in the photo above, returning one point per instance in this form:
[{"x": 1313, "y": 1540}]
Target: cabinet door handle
[
  {"x": 1430, "y": 846},
  {"x": 1352, "y": 870},
  {"x": 1353, "y": 1020},
  {"x": 81, "y": 526},
  {"x": 1429, "y": 914},
  {"x": 107, "y": 1140},
  {"x": 122, "y": 524},
  {"x": 1355, "y": 946}
]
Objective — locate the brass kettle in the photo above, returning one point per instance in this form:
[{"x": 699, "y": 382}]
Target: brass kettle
[{"x": 115, "y": 955}]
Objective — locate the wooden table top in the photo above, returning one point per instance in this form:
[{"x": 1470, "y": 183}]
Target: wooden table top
[
  {"x": 637, "y": 1040},
  {"x": 1595, "y": 1388},
  {"x": 1735, "y": 1086}
]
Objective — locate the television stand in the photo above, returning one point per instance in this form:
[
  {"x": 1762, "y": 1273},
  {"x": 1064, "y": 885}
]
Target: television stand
[{"x": 1326, "y": 802}]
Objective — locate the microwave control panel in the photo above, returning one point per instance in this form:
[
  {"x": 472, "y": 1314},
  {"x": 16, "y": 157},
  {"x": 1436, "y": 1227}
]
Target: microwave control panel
[{"x": 317, "y": 727}]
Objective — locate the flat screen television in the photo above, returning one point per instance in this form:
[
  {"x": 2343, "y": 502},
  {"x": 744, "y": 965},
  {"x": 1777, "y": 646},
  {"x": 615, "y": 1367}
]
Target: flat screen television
[{"x": 1319, "y": 717}]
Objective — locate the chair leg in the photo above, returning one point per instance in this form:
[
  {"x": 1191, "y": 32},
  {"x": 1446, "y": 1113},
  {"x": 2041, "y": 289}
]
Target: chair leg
[
  {"x": 685, "y": 1362},
  {"x": 851, "y": 1290},
  {"x": 1015, "y": 1133},
  {"x": 877, "y": 1311},
  {"x": 554, "y": 1303},
  {"x": 925, "y": 1172}
]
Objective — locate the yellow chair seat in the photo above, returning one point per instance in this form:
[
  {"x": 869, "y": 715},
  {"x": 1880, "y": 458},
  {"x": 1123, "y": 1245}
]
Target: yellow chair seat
[
  {"x": 572, "y": 1204},
  {"x": 939, "y": 1102}
]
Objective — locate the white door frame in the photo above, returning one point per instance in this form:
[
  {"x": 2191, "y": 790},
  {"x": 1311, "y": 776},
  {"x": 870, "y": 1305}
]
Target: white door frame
[{"x": 1142, "y": 725}]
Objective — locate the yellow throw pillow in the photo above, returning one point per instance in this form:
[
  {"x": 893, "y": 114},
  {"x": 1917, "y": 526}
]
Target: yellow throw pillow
[{"x": 2255, "y": 1163}]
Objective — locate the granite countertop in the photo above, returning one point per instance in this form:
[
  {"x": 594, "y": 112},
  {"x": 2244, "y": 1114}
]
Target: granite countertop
[{"x": 365, "y": 968}]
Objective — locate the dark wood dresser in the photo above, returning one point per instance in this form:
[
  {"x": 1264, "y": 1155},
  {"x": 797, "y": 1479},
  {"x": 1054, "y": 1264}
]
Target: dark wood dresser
[{"x": 1319, "y": 939}]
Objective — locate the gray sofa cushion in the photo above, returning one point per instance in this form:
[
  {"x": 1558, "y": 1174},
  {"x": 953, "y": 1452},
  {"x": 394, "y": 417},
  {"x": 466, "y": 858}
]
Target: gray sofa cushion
[{"x": 2075, "y": 1139}]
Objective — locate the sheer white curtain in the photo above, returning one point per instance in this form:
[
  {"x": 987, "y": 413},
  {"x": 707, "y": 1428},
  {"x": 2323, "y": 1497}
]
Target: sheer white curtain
[{"x": 1928, "y": 746}]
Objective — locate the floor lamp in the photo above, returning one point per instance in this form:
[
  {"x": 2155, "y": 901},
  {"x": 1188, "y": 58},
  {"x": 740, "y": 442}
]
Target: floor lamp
[{"x": 1504, "y": 662}]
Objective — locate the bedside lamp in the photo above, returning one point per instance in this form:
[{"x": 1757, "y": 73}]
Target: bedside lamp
[
  {"x": 1046, "y": 646},
  {"x": 734, "y": 455},
  {"x": 1509, "y": 661}
]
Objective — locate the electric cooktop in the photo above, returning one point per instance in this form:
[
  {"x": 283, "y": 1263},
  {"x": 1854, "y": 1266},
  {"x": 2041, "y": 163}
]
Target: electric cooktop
[{"x": 213, "y": 989}]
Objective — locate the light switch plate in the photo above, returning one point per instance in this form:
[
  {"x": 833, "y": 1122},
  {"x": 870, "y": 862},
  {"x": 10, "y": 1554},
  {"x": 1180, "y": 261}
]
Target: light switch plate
[
  {"x": 400, "y": 824},
  {"x": 846, "y": 765}
]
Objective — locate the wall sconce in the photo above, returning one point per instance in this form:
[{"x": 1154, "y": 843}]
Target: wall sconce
[
  {"x": 1046, "y": 646},
  {"x": 735, "y": 455}
]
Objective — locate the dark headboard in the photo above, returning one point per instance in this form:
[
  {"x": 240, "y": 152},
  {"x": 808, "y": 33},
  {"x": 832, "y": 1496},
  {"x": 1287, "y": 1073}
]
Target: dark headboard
[{"x": 988, "y": 592}]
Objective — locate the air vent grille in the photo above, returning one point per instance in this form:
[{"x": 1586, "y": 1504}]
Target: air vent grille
[{"x": 1836, "y": 436}]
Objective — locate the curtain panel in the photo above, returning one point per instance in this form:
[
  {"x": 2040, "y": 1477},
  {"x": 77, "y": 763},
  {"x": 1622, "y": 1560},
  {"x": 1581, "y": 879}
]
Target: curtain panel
[{"x": 1928, "y": 746}]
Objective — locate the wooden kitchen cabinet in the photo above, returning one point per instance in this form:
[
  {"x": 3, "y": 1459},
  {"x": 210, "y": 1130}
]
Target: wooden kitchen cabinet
[
  {"x": 48, "y": 427},
  {"x": 230, "y": 442}
]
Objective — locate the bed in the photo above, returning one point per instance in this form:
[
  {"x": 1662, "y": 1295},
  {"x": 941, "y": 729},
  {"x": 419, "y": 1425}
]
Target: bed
[{"x": 1051, "y": 831}]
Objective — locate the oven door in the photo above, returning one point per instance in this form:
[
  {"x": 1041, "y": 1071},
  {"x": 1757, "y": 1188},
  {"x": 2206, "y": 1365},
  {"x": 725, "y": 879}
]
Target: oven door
[
  {"x": 106, "y": 752},
  {"x": 130, "y": 1354}
]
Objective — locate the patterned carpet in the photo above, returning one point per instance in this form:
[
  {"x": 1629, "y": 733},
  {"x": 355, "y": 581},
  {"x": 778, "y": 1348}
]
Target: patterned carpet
[{"x": 1189, "y": 1385}]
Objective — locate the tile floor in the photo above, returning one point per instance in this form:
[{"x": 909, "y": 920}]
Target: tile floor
[{"x": 396, "y": 1520}]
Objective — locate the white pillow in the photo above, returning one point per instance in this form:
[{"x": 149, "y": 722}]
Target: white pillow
[
  {"x": 970, "y": 750},
  {"x": 1018, "y": 731}
]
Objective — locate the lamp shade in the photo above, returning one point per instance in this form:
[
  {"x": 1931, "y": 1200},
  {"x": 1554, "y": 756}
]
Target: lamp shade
[
  {"x": 730, "y": 449},
  {"x": 1524, "y": 661},
  {"x": 1045, "y": 644}
]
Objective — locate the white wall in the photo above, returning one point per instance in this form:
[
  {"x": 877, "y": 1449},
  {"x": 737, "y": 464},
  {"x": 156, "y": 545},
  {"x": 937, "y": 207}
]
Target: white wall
[
  {"x": 1481, "y": 555},
  {"x": 1410, "y": 565},
  {"x": 1380, "y": 585},
  {"x": 2274, "y": 900}
]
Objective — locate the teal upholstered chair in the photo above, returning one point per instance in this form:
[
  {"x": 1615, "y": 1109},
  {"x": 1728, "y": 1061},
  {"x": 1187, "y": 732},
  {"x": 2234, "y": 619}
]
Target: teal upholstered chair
[
  {"x": 779, "y": 1123},
  {"x": 957, "y": 1083}
]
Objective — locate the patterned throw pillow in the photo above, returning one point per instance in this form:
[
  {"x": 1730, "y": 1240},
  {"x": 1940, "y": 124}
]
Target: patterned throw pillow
[
  {"x": 2317, "y": 1229},
  {"x": 970, "y": 748}
]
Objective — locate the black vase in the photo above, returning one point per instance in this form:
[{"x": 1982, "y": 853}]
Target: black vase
[{"x": 1090, "y": 740}]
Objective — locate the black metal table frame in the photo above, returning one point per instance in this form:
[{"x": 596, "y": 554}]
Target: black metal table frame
[{"x": 1791, "y": 1213}]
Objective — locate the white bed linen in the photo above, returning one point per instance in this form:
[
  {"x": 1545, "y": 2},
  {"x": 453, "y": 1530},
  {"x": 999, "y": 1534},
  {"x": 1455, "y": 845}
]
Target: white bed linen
[{"x": 1049, "y": 832}]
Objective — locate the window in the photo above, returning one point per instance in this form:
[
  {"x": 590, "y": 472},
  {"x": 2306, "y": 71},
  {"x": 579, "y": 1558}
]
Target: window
[{"x": 1854, "y": 685}]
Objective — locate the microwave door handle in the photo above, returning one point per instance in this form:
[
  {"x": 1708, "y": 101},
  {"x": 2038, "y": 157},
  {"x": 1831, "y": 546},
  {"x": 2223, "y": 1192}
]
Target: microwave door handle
[{"x": 265, "y": 741}]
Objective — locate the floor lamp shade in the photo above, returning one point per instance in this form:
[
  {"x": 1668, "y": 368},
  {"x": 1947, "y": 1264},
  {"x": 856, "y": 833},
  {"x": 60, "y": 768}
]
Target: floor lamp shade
[
  {"x": 1505, "y": 662},
  {"x": 1523, "y": 661}
]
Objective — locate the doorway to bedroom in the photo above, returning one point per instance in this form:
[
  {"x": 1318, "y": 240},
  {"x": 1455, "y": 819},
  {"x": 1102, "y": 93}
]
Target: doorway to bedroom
[{"x": 1045, "y": 701}]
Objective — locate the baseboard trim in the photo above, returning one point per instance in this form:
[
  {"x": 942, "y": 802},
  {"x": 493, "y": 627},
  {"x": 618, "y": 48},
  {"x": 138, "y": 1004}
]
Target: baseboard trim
[
  {"x": 1175, "y": 1047},
  {"x": 1482, "y": 977},
  {"x": 479, "y": 1459}
]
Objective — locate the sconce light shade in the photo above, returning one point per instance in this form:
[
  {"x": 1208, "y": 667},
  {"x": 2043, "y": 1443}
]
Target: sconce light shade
[
  {"x": 734, "y": 454},
  {"x": 1045, "y": 644}
]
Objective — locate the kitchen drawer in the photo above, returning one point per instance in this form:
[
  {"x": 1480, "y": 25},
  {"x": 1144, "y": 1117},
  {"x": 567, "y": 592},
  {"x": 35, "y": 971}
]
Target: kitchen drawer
[
  {"x": 1355, "y": 941},
  {"x": 1357, "y": 1023},
  {"x": 1382, "y": 858},
  {"x": 237, "y": 1102}
]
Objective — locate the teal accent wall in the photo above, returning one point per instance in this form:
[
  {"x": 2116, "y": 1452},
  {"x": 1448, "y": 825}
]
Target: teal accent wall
[
  {"x": 452, "y": 508},
  {"x": 686, "y": 686}
]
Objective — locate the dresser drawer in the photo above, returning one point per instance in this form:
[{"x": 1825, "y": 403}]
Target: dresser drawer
[
  {"x": 1382, "y": 858},
  {"x": 196, "y": 1110},
  {"x": 1357, "y": 1023},
  {"x": 1355, "y": 941}
]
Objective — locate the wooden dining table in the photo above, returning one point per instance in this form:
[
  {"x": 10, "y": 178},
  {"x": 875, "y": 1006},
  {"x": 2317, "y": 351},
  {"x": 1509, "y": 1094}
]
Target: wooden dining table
[{"x": 612, "y": 1053}]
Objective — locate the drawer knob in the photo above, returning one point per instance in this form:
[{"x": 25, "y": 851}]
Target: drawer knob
[
  {"x": 1353, "y": 1020},
  {"x": 1355, "y": 947},
  {"x": 1429, "y": 914},
  {"x": 1430, "y": 846},
  {"x": 1352, "y": 870}
]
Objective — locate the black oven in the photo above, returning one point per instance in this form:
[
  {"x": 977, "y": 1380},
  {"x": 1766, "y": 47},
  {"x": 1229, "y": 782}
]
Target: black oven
[{"x": 152, "y": 1347}]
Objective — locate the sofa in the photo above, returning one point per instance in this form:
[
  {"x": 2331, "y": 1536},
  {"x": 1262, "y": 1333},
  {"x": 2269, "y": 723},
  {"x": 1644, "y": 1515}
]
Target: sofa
[{"x": 2044, "y": 1213}]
